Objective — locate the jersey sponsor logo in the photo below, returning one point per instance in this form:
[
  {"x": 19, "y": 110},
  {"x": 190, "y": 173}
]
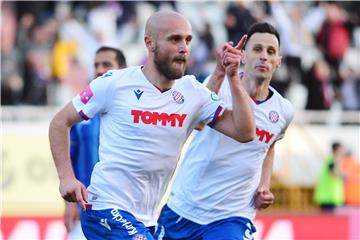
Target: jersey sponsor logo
[
  {"x": 178, "y": 97},
  {"x": 104, "y": 223},
  {"x": 215, "y": 97},
  {"x": 273, "y": 116},
  {"x": 156, "y": 118},
  {"x": 86, "y": 94},
  {"x": 264, "y": 136},
  {"x": 124, "y": 222},
  {"x": 138, "y": 94}
]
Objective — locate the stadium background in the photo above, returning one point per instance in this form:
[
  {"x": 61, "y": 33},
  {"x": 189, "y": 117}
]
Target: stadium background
[{"x": 44, "y": 62}]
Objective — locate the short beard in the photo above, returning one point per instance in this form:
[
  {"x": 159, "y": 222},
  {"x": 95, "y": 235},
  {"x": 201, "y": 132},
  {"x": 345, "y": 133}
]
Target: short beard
[{"x": 163, "y": 65}]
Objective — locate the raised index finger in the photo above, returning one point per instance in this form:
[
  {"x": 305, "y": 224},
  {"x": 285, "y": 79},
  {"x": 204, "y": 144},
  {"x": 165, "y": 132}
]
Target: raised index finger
[{"x": 241, "y": 43}]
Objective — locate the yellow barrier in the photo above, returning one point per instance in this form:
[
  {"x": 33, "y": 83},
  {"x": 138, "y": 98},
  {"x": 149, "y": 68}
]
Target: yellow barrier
[{"x": 29, "y": 181}]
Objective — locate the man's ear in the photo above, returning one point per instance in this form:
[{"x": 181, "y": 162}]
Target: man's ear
[
  {"x": 279, "y": 63},
  {"x": 150, "y": 45}
]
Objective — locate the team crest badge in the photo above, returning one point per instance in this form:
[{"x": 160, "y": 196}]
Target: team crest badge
[
  {"x": 139, "y": 237},
  {"x": 273, "y": 116},
  {"x": 178, "y": 97}
]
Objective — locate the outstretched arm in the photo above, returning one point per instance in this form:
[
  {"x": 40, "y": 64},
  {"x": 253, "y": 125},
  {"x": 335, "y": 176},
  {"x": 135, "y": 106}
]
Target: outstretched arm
[
  {"x": 264, "y": 197},
  {"x": 237, "y": 123},
  {"x": 70, "y": 188}
]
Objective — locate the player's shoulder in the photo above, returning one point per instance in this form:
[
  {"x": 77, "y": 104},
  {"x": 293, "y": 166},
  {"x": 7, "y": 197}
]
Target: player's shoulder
[
  {"x": 116, "y": 73},
  {"x": 119, "y": 76},
  {"x": 190, "y": 81},
  {"x": 187, "y": 79}
]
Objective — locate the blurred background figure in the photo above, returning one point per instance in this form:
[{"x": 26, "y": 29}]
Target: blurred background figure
[
  {"x": 350, "y": 88},
  {"x": 12, "y": 82},
  {"x": 202, "y": 53},
  {"x": 238, "y": 19},
  {"x": 334, "y": 37},
  {"x": 294, "y": 38},
  {"x": 329, "y": 190},
  {"x": 350, "y": 167},
  {"x": 319, "y": 87}
]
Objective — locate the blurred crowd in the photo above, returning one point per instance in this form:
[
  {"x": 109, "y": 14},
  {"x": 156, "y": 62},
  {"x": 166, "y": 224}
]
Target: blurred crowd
[{"x": 47, "y": 47}]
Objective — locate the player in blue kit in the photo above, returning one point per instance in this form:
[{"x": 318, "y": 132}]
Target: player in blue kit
[
  {"x": 221, "y": 182},
  {"x": 147, "y": 113},
  {"x": 84, "y": 140}
]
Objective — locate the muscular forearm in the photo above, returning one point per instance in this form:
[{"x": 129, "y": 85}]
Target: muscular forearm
[
  {"x": 266, "y": 172},
  {"x": 59, "y": 130},
  {"x": 242, "y": 112},
  {"x": 59, "y": 144},
  {"x": 70, "y": 188},
  {"x": 216, "y": 80}
]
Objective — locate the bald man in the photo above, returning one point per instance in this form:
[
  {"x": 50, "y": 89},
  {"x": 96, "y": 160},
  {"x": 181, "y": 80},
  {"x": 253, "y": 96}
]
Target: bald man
[{"x": 147, "y": 112}]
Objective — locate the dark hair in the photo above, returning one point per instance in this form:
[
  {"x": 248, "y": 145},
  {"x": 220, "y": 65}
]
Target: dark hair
[
  {"x": 120, "y": 58},
  {"x": 262, "y": 27},
  {"x": 335, "y": 146}
]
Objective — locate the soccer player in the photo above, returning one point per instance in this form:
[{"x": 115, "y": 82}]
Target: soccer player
[
  {"x": 147, "y": 112},
  {"x": 221, "y": 182},
  {"x": 84, "y": 140}
]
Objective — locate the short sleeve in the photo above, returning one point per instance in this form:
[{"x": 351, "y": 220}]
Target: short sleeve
[
  {"x": 96, "y": 97},
  {"x": 212, "y": 107},
  {"x": 289, "y": 115}
]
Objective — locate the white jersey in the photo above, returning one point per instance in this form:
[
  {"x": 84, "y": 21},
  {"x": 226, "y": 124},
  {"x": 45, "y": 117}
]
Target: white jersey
[
  {"x": 142, "y": 132},
  {"x": 219, "y": 176}
]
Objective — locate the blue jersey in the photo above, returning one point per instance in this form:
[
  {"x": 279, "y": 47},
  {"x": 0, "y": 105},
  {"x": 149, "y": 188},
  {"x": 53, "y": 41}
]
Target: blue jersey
[{"x": 84, "y": 148}]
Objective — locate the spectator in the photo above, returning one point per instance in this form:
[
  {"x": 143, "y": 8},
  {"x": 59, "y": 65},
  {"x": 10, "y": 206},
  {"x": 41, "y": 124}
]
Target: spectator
[
  {"x": 202, "y": 53},
  {"x": 350, "y": 88},
  {"x": 293, "y": 34},
  {"x": 329, "y": 190},
  {"x": 320, "y": 91},
  {"x": 334, "y": 38},
  {"x": 237, "y": 21},
  {"x": 11, "y": 79},
  {"x": 37, "y": 72}
]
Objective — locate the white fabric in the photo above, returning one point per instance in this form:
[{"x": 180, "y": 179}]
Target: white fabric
[
  {"x": 142, "y": 132},
  {"x": 218, "y": 175}
]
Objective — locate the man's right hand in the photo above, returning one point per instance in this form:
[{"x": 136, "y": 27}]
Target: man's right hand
[
  {"x": 232, "y": 56},
  {"x": 73, "y": 190},
  {"x": 263, "y": 199},
  {"x": 71, "y": 216}
]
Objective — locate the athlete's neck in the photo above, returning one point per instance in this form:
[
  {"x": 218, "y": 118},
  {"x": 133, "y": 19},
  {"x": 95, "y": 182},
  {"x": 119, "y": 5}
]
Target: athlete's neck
[
  {"x": 156, "y": 79},
  {"x": 258, "y": 90}
]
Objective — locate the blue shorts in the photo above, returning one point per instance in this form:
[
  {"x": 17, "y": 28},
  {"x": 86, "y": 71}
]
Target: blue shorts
[
  {"x": 172, "y": 226},
  {"x": 113, "y": 224}
]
